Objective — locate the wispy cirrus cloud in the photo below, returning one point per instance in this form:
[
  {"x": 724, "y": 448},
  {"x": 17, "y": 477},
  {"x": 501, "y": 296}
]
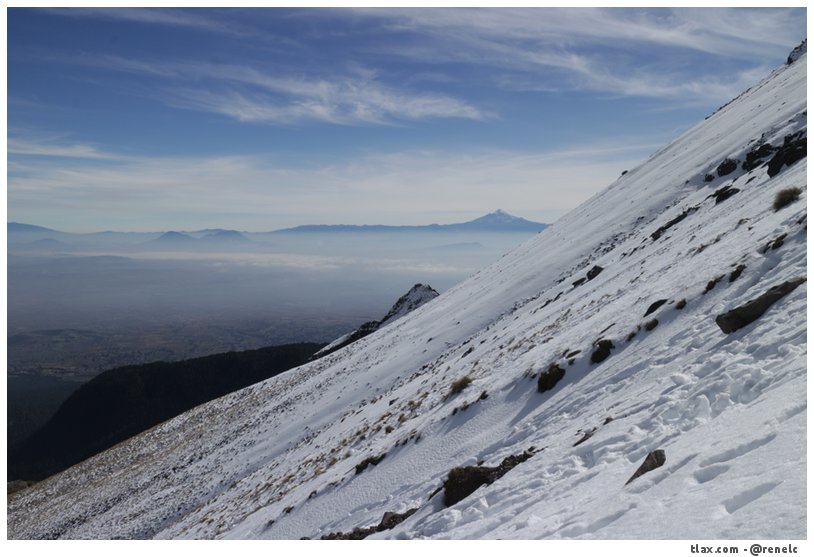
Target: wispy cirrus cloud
[
  {"x": 600, "y": 50},
  {"x": 52, "y": 149},
  {"x": 343, "y": 102},
  {"x": 722, "y": 31},
  {"x": 191, "y": 19},
  {"x": 249, "y": 94}
]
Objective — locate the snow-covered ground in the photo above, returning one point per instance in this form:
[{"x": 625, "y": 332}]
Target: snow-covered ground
[{"x": 279, "y": 459}]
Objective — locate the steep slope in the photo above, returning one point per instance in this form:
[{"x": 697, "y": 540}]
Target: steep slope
[{"x": 377, "y": 427}]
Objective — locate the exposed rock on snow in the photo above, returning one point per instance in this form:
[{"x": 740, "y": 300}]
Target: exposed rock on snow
[
  {"x": 654, "y": 460},
  {"x": 798, "y": 51},
  {"x": 464, "y": 481},
  {"x": 370, "y": 461},
  {"x": 549, "y": 378},
  {"x": 752, "y": 310},
  {"x": 654, "y": 306},
  {"x": 389, "y": 521},
  {"x": 602, "y": 351},
  {"x": 728, "y": 166},
  {"x": 734, "y": 275},
  {"x": 723, "y": 193},
  {"x": 792, "y": 150},
  {"x": 672, "y": 222},
  {"x": 594, "y": 272}
]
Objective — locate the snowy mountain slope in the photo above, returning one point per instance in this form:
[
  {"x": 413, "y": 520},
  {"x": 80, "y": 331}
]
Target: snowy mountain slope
[
  {"x": 286, "y": 458},
  {"x": 416, "y": 297}
]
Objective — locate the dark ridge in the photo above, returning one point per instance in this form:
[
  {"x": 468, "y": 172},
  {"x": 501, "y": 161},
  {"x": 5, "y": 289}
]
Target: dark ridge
[{"x": 120, "y": 403}]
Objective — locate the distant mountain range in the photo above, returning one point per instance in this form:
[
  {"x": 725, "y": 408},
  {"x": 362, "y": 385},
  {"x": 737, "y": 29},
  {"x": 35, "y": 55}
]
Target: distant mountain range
[
  {"x": 173, "y": 238},
  {"x": 498, "y": 221}
]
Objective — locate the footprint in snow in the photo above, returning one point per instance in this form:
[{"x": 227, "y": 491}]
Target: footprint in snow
[
  {"x": 744, "y": 498},
  {"x": 740, "y": 450}
]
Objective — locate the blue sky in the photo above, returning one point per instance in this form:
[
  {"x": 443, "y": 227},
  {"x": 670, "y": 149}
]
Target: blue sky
[{"x": 257, "y": 119}]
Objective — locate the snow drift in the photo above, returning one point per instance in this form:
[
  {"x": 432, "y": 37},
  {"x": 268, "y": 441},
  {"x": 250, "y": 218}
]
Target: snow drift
[{"x": 365, "y": 437}]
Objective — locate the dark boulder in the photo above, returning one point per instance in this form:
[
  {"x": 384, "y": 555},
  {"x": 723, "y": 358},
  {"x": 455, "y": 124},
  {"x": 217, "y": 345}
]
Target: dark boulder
[
  {"x": 728, "y": 166},
  {"x": 652, "y": 324},
  {"x": 755, "y": 157},
  {"x": 603, "y": 350},
  {"x": 722, "y": 194},
  {"x": 682, "y": 303},
  {"x": 654, "y": 306},
  {"x": 752, "y": 310},
  {"x": 549, "y": 378},
  {"x": 709, "y": 177},
  {"x": 672, "y": 222},
  {"x": 462, "y": 481},
  {"x": 711, "y": 284},
  {"x": 389, "y": 521},
  {"x": 734, "y": 275},
  {"x": 792, "y": 150},
  {"x": 369, "y": 461},
  {"x": 653, "y": 460},
  {"x": 594, "y": 272}
]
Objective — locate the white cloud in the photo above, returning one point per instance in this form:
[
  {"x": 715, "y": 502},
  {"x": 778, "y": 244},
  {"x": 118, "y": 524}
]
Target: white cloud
[
  {"x": 344, "y": 101},
  {"x": 261, "y": 193},
  {"x": 46, "y": 148},
  {"x": 248, "y": 94}
]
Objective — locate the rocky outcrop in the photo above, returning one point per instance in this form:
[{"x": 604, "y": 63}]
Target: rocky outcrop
[
  {"x": 654, "y": 306},
  {"x": 664, "y": 228},
  {"x": 654, "y": 460},
  {"x": 792, "y": 150},
  {"x": 462, "y": 481},
  {"x": 728, "y": 166},
  {"x": 370, "y": 461},
  {"x": 549, "y": 378},
  {"x": 602, "y": 351},
  {"x": 389, "y": 521},
  {"x": 594, "y": 272},
  {"x": 722, "y": 194},
  {"x": 795, "y": 54},
  {"x": 752, "y": 310}
]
